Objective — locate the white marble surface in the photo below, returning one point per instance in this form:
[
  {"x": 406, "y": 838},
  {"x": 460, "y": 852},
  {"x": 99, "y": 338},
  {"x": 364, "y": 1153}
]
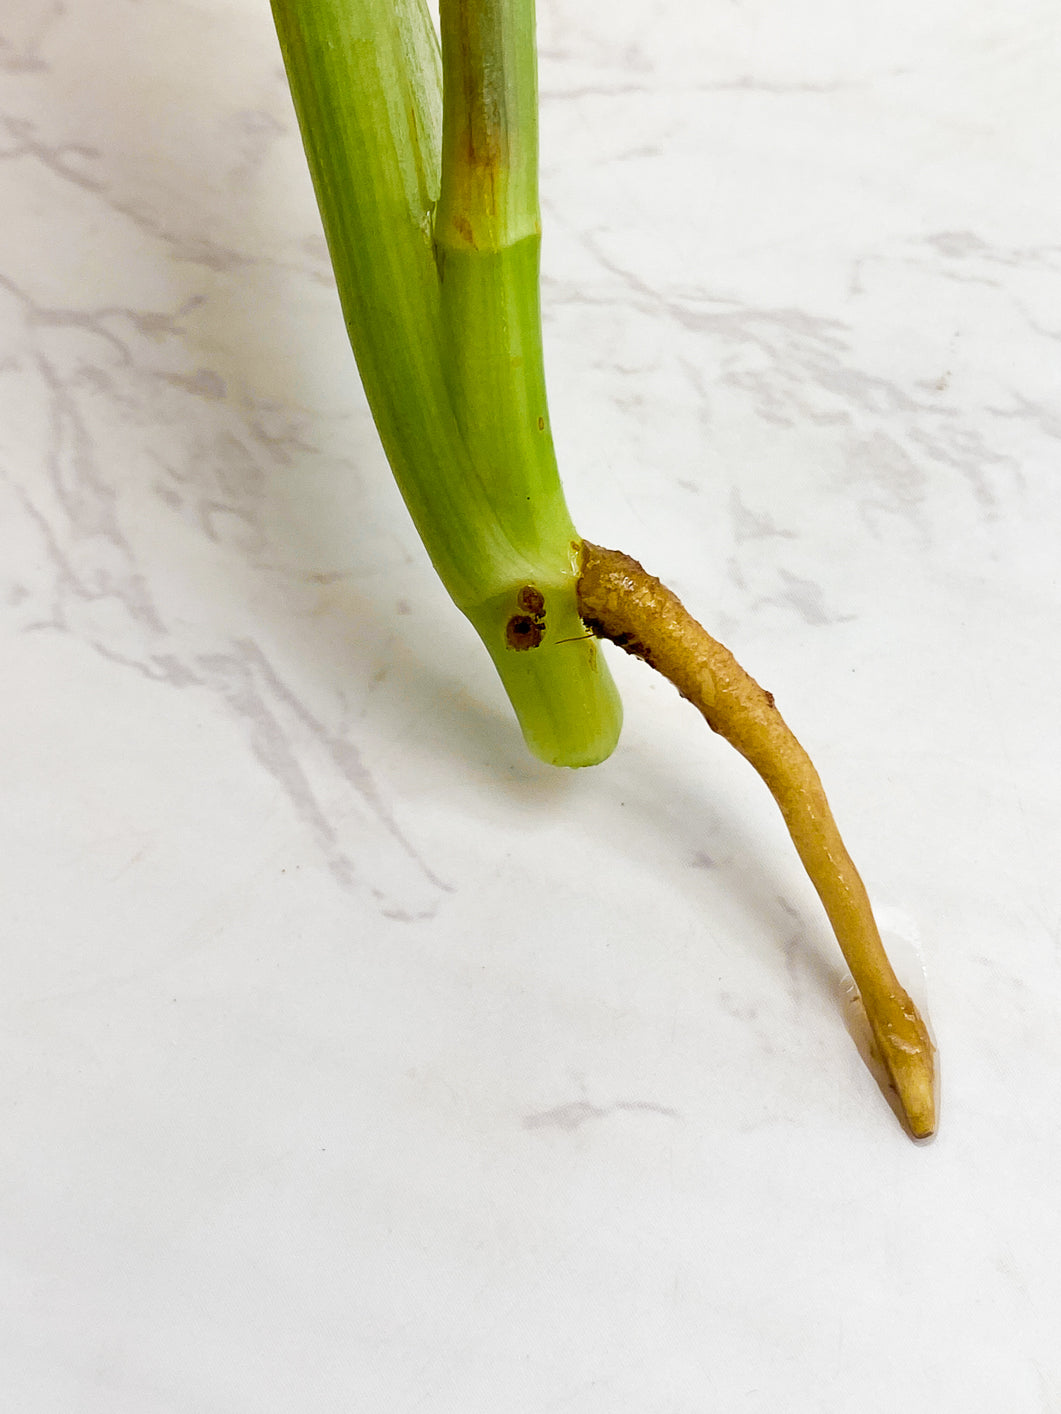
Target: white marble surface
[{"x": 351, "y": 1060}]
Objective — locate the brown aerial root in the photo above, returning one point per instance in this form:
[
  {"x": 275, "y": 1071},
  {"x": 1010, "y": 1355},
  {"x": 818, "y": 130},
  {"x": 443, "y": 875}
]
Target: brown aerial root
[{"x": 620, "y": 601}]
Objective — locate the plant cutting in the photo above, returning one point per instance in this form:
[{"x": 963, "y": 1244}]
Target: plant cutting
[{"x": 424, "y": 157}]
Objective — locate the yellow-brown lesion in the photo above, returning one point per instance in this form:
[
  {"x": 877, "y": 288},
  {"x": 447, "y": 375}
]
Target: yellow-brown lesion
[
  {"x": 476, "y": 177},
  {"x": 531, "y": 599},
  {"x": 525, "y": 629},
  {"x": 489, "y": 165},
  {"x": 621, "y": 602}
]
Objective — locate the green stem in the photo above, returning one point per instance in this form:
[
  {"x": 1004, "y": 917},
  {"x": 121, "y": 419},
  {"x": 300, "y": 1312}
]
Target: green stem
[
  {"x": 488, "y": 242},
  {"x": 428, "y": 334}
]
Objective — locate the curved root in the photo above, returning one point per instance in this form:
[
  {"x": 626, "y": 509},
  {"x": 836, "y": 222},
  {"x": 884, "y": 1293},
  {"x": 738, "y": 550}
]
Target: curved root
[{"x": 621, "y": 602}]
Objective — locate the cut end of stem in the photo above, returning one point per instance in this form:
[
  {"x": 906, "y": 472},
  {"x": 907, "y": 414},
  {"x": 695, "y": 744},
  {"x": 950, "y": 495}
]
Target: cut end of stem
[{"x": 568, "y": 707}]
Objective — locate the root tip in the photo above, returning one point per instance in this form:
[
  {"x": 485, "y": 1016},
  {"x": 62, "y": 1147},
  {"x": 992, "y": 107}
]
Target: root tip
[{"x": 909, "y": 1057}]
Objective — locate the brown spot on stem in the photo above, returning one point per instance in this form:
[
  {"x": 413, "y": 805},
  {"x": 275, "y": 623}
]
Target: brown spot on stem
[
  {"x": 523, "y": 631},
  {"x": 532, "y": 600},
  {"x": 463, "y": 227}
]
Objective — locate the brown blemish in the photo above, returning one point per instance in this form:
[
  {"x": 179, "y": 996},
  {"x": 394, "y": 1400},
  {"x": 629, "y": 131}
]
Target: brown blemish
[
  {"x": 523, "y": 631},
  {"x": 628, "y": 642},
  {"x": 541, "y": 424},
  {"x": 527, "y": 629},
  {"x": 463, "y": 227}
]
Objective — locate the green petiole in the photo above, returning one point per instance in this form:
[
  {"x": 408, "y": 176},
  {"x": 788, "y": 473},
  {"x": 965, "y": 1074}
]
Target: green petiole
[{"x": 433, "y": 230}]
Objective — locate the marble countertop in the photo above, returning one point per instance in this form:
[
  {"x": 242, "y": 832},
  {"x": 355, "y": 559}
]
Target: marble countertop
[{"x": 351, "y": 1059}]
